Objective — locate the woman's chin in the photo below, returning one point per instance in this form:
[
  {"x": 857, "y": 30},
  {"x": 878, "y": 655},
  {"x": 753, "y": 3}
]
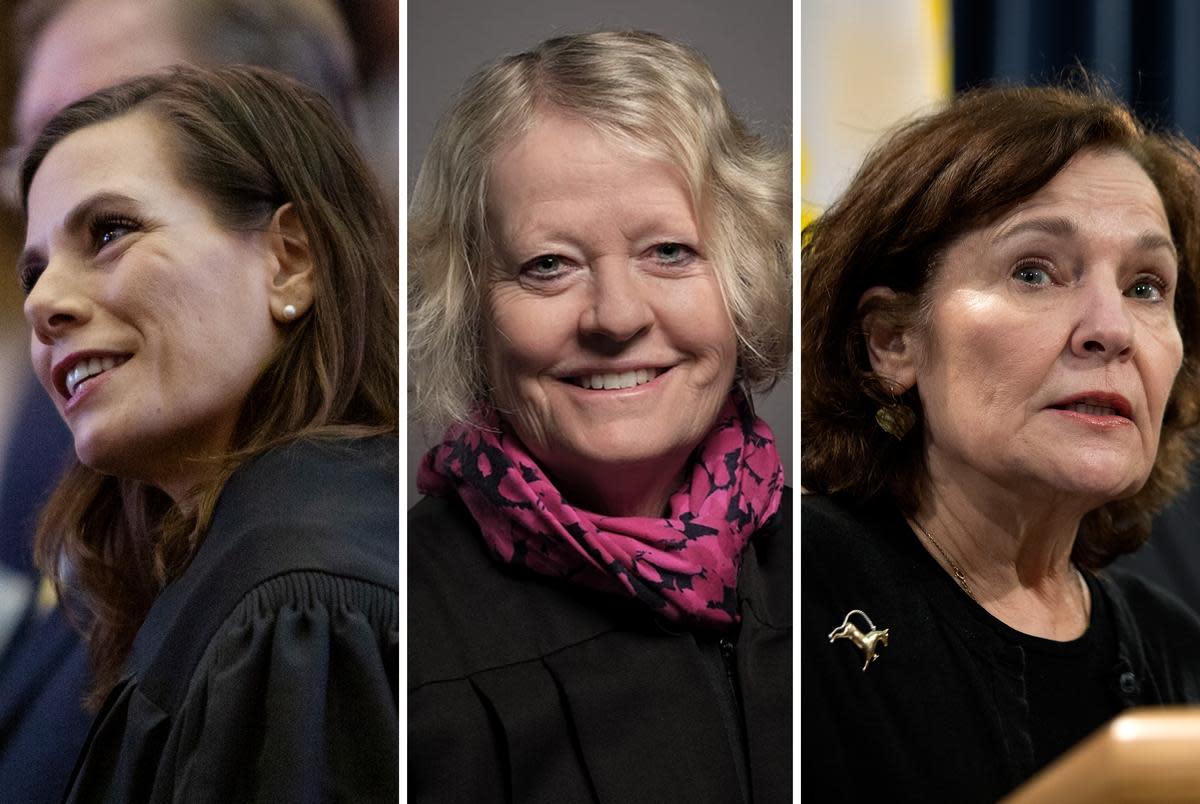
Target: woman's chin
[
  {"x": 1101, "y": 485},
  {"x": 93, "y": 452},
  {"x": 1085, "y": 478},
  {"x": 103, "y": 458},
  {"x": 119, "y": 457}
]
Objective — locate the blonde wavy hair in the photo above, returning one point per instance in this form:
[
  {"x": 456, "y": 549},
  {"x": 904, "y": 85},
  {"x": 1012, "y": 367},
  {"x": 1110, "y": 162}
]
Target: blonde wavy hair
[{"x": 660, "y": 98}]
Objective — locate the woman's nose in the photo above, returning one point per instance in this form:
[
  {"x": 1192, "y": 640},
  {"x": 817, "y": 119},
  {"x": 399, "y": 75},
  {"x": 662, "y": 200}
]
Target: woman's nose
[
  {"x": 55, "y": 305},
  {"x": 1105, "y": 326},
  {"x": 619, "y": 308}
]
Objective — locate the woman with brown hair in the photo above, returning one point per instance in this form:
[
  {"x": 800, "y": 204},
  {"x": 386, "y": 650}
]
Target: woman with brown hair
[
  {"x": 1000, "y": 333},
  {"x": 211, "y": 287}
]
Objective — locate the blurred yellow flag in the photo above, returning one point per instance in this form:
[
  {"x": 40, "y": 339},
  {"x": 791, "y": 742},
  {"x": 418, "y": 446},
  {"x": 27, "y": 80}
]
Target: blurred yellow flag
[{"x": 865, "y": 65}]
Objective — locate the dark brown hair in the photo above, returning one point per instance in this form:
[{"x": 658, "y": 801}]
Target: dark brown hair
[
  {"x": 249, "y": 141},
  {"x": 926, "y": 184}
]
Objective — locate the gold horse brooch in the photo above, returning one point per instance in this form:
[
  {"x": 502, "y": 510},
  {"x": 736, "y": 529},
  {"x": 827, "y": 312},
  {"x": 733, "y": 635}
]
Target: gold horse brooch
[{"x": 868, "y": 643}]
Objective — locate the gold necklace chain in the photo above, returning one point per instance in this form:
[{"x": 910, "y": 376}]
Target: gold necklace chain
[
  {"x": 957, "y": 570},
  {"x": 961, "y": 578}
]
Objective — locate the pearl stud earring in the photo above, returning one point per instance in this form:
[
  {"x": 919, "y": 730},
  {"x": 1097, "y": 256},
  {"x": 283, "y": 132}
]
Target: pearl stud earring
[{"x": 289, "y": 312}]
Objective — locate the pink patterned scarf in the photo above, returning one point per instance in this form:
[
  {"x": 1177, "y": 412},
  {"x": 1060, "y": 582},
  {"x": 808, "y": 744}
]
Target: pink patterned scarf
[{"x": 683, "y": 566}]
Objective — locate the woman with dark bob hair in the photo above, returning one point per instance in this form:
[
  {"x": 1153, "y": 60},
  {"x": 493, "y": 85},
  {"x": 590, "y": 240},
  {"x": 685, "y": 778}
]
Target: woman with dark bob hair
[
  {"x": 211, "y": 284},
  {"x": 599, "y": 575},
  {"x": 999, "y": 389}
]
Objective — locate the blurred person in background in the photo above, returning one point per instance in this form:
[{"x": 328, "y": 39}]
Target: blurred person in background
[
  {"x": 375, "y": 31},
  {"x": 66, "y": 49},
  {"x": 79, "y": 46}
]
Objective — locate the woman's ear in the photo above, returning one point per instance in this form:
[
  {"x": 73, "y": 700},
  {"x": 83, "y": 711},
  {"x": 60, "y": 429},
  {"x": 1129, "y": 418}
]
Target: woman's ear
[
  {"x": 291, "y": 278},
  {"x": 891, "y": 345}
]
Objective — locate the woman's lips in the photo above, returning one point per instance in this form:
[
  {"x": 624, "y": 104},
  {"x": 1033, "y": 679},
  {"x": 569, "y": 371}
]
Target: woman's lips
[
  {"x": 85, "y": 370},
  {"x": 1102, "y": 410},
  {"x": 85, "y": 390},
  {"x": 1093, "y": 410},
  {"x": 1105, "y": 421},
  {"x": 70, "y": 373},
  {"x": 1096, "y": 403}
]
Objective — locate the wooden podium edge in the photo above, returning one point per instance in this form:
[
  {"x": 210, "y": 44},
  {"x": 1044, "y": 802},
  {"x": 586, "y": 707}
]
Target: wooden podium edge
[{"x": 1144, "y": 755}]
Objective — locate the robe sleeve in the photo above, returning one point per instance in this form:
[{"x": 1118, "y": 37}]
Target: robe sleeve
[{"x": 295, "y": 699}]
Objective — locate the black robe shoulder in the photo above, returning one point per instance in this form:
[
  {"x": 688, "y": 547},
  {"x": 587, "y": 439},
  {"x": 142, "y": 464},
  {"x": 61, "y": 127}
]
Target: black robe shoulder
[{"x": 268, "y": 671}]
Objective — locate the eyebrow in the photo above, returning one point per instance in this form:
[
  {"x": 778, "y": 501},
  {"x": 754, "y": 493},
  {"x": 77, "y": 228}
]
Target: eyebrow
[
  {"x": 1065, "y": 227},
  {"x": 76, "y": 218}
]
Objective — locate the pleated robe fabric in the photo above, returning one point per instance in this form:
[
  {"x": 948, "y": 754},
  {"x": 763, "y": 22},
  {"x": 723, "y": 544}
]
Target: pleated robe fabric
[{"x": 268, "y": 671}]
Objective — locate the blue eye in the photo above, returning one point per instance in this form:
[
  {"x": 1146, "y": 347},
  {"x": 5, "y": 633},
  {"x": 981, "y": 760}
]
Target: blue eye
[
  {"x": 544, "y": 265},
  {"x": 1147, "y": 289},
  {"x": 547, "y": 266},
  {"x": 1032, "y": 275},
  {"x": 673, "y": 253}
]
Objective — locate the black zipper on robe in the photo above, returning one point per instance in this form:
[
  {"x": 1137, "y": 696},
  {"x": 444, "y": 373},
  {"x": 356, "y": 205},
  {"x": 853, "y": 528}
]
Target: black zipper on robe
[{"x": 722, "y": 659}]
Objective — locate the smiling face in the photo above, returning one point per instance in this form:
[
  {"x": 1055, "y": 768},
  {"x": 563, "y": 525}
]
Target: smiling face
[
  {"x": 1051, "y": 346},
  {"x": 608, "y": 344},
  {"x": 129, "y": 274}
]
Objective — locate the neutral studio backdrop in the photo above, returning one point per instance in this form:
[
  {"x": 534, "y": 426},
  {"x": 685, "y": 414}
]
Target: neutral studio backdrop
[{"x": 749, "y": 46}]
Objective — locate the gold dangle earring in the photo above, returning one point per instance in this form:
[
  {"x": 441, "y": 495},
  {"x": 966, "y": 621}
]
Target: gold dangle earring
[{"x": 895, "y": 419}]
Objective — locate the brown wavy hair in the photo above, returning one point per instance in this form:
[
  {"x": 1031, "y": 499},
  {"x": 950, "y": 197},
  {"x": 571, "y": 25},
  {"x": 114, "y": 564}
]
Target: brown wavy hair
[
  {"x": 926, "y": 184},
  {"x": 249, "y": 141}
]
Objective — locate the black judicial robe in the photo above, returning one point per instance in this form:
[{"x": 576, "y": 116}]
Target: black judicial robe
[
  {"x": 522, "y": 689},
  {"x": 268, "y": 670}
]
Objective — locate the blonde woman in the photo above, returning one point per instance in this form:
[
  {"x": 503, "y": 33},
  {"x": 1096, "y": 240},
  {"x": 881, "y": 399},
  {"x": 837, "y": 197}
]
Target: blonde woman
[{"x": 599, "y": 577}]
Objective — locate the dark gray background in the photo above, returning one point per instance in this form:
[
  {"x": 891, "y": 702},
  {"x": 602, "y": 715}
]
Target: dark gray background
[{"x": 748, "y": 44}]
